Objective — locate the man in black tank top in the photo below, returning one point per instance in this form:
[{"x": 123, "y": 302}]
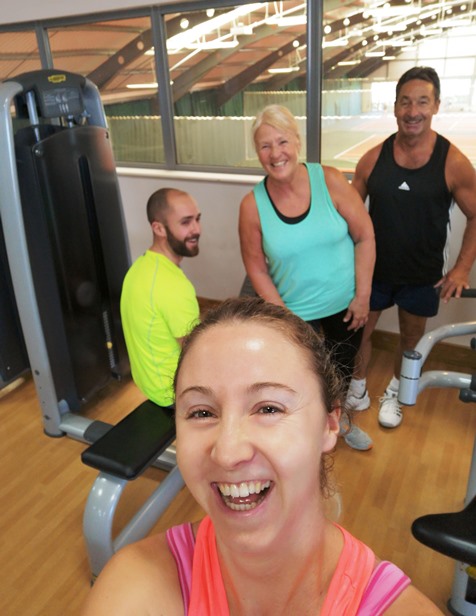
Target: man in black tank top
[{"x": 412, "y": 179}]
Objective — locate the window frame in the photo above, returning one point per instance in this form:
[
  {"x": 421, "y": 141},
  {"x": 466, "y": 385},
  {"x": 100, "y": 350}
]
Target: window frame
[{"x": 156, "y": 14}]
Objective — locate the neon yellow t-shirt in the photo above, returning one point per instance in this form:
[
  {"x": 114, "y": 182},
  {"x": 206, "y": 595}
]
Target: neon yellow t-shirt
[{"x": 158, "y": 306}]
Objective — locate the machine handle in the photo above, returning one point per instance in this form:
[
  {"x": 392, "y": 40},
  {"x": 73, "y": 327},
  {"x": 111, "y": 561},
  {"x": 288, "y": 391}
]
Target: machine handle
[{"x": 467, "y": 293}]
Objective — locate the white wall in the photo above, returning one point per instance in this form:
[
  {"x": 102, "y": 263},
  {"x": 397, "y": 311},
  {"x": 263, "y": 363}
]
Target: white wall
[{"x": 217, "y": 272}]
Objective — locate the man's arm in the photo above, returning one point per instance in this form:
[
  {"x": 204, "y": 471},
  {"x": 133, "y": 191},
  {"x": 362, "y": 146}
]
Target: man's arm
[
  {"x": 363, "y": 170},
  {"x": 461, "y": 180}
]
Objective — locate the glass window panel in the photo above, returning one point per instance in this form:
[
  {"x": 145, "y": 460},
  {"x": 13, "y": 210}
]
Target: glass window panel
[
  {"x": 455, "y": 94},
  {"x": 381, "y": 43},
  {"x": 18, "y": 54},
  {"x": 115, "y": 56},
  {"x": 461, "y": 45},
  {"x": 433, "y": 49},
  {"x": 227, "y": 64},
  {"x": 460, "y": 67}
]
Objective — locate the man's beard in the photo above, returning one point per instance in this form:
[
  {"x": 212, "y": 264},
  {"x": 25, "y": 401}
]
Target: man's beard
[{"x": 180, "y": 247}]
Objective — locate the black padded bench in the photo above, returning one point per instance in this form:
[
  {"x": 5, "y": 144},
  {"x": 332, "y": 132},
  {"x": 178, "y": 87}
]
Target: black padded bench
[
  {"x": 132, "y": 445},
  {"x": 121, "y": 454},
  {"x": 452, "y": 534}
]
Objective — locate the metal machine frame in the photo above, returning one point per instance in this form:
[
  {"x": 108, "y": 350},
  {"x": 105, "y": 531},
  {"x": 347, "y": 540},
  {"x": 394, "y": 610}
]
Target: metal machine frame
[
  {"x": 58, "y": 418},
  {"x": 412, "y": 383}
]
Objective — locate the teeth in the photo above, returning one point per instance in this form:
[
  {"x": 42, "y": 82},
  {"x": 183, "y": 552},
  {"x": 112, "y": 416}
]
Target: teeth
[
  {"x": 235, "y": 507},
  {"x": 243, "y": 489}
]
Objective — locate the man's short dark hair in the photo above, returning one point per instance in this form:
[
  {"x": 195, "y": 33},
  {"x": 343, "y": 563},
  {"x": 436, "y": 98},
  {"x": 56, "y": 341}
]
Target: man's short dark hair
[
  {"x": 158, "y": 204},
  {"x": 425, "y": 73}
]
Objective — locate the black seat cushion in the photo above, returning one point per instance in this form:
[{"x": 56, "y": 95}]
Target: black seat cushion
[
  {"x": 452, "y": 534},
  {"x": 130, "y": 446}
]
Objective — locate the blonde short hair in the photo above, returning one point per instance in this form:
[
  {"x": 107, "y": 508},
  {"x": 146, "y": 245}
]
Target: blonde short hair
[{"x": 278, "y": 117}]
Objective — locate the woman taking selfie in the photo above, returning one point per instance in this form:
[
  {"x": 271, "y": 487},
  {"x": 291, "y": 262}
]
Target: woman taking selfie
[{"x": 257, "y": 413}]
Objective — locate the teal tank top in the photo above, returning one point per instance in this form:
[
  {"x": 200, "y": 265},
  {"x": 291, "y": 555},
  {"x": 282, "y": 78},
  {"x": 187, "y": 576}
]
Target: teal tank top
[{"x": 311, "y": 258}]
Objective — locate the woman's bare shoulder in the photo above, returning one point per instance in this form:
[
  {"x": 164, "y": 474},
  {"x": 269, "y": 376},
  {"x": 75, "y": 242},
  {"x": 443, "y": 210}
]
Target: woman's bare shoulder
[
  {"x": 140, "y": 579},
  {"x": 248, "y": 202},
  {"x": 413, "y": 603}
]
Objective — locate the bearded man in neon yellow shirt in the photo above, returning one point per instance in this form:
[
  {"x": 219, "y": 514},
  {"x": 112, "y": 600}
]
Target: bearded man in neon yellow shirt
[{"x": 158, "y": 303}]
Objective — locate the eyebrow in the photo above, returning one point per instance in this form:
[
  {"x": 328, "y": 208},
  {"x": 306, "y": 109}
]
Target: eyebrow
[
  {"x": 194, "y": 217},
  {"x": 255, "y": 387},
  {"x": 196, "y": 389},
  {"x": 405, "y": 97}
]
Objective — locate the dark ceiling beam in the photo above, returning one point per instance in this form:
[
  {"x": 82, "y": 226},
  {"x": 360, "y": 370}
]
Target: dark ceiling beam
[
  {"x": 340, "y": 57},
  {"x": 279, "y": 82},
  {"x": 103, "y": 74},
  {"x": 238, "y": 83},
  {"x": 369, "y": 65},
  {"x": 183, "y": 84},
  {"x": 106, "y": 71}
]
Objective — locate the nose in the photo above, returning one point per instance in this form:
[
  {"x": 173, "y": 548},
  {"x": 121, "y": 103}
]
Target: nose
[
  {"x": 232, "y": 445},
  {"x": 196, "y": 228}
]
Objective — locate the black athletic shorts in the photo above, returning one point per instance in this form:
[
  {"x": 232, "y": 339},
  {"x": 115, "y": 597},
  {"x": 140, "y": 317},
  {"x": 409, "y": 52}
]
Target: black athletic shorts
[{"x": 420, "y": 300}]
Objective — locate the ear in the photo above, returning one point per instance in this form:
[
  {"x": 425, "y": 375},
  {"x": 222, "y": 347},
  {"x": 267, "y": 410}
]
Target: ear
[
  {"x": 331, "y": 429},
  {"x": 158, "y": 229}
]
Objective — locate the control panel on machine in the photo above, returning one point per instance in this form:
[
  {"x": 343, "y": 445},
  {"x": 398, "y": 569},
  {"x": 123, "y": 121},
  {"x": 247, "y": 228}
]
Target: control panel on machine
[{"x": 56, "y": 94}]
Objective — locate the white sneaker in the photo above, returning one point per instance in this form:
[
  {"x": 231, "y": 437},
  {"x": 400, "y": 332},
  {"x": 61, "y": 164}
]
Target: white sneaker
[
  {"x": 358, "y": 403},
  {"x": 390, "y": 413}
]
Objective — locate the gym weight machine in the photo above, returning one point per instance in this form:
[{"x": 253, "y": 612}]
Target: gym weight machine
[
  {"x": 452, "y": 534},
  {"x": 67, "y": 253}
]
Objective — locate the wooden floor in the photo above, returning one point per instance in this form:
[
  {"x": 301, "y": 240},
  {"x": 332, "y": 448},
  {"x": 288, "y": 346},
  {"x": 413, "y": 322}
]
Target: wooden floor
[{"x": 419, "y": 468}]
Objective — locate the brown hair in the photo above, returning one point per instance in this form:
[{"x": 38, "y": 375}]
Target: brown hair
[
  {"x": 159, "y": 203},
  {"x": 425, "y": 73}
]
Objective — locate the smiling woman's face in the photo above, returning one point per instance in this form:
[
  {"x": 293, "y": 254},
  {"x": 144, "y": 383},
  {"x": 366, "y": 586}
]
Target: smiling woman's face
[
  {"x": 277, "y": 150},
  {"x": 251, "y": 429}
]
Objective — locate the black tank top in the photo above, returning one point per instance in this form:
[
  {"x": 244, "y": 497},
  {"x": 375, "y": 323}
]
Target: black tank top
[{"x": 410, "y": 210}]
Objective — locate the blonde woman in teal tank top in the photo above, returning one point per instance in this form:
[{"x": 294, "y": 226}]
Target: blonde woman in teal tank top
[{"x": 307, "y": 242}]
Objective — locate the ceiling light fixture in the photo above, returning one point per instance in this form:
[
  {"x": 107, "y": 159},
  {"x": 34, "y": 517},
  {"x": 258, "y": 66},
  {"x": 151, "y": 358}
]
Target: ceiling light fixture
[
  {"x": 286, "y": 21},
  {"x": 338, "y": 42},
  {"x": 398, "y": 43},
  {"x": 142, "y": 86},
  {"x": 355, "y": 32},
  {"x": 430, "y": 31},
  {"x": 215, "y": 44},
  {"x": 284, "y": 69},
  {"x": 179, "y": 41},
  {"x": 241, "y": 30}
]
